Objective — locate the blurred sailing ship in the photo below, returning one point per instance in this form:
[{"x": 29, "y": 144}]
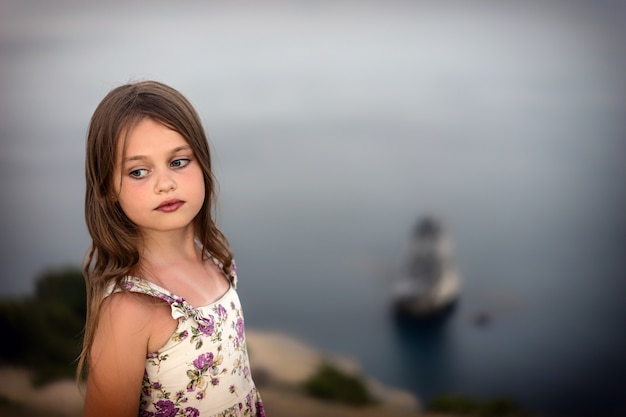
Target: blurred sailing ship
[{"x": 427, "y": 283}]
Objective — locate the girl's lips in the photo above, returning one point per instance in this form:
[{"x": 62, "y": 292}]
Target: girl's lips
[{"x": 170, "y": 206}]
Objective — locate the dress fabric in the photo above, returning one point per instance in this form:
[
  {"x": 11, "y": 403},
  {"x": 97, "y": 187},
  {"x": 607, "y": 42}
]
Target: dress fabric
[{"x": 203, "y": 369}]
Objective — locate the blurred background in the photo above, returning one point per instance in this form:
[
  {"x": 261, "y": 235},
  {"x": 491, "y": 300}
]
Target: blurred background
[{"x": 335, "y": 125}]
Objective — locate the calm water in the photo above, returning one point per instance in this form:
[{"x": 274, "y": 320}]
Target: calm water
[
  {"x": 335, "y": 126},
  {"x": 538, "y": 258}
]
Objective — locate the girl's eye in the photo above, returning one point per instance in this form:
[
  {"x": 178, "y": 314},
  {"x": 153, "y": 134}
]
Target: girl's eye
[
  {"x": 179, "y": 163},
  {"x": 138, "y": 173}
]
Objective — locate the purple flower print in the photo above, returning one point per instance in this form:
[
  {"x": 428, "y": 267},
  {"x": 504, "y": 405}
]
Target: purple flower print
[
  {"x": 246, "y": 372},
  {"x": 168, "y": 299},
  {"x": 200, "y": 395},
  {"x": 191, "y": 412},
  {"x": 260, "y": 409},
  {"x": 165, "y": 408},
  {"x": 207, "y": 325},
  {"x": 215, "y": 382},
  {"x": 239, "y": 328},
  {"x": 203, "y": 361},
  {"x": 221, "y": 312},
  {"x": 145, "y": 413}
]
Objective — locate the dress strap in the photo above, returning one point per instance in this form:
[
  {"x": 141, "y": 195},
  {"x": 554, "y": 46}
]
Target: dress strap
[
  {"x": 143, "y": 286},
  {"x": 180, "y": 308}
]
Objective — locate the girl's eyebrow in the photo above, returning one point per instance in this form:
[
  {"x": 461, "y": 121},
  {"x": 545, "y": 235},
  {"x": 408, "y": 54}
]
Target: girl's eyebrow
[{"x": 141, "y": 157}]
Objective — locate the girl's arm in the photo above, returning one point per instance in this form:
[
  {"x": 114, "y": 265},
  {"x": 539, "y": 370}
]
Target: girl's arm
[{"x": 118, "y": 356}]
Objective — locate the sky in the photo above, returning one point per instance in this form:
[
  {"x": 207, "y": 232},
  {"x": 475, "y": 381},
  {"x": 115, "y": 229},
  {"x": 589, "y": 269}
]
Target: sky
[{"x": 284, "y": 85}]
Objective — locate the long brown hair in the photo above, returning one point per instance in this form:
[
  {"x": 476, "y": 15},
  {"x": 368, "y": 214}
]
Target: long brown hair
[{"x": 114, "y": 237}]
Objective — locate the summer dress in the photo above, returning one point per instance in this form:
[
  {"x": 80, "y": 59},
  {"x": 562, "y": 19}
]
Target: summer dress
[{"x": 203, "y": 369}]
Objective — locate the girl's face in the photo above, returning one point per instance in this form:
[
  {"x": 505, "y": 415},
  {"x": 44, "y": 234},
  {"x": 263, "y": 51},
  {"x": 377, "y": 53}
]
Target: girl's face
[{"x": 158, "y": 181}]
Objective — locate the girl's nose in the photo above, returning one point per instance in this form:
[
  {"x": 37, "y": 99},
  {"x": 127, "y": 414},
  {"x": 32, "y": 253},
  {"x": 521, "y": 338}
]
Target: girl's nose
[{"x": 165, "y": 183}]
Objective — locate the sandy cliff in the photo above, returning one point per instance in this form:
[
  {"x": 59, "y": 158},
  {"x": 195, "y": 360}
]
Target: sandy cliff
[{"x": 279, "y": 364}]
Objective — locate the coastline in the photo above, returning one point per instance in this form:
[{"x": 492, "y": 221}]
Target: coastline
[{"x": 280, "y": 364}]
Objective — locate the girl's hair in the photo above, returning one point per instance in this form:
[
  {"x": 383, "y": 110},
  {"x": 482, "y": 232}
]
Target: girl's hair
[{"x": 114, "y": 250}]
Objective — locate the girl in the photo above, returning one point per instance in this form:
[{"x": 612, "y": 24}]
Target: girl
[{"x": 165, "y": 331}]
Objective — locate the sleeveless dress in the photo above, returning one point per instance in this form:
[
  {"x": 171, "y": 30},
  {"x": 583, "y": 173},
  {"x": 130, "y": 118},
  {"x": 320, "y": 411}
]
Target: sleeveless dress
[{"x": 203, "y": 369}]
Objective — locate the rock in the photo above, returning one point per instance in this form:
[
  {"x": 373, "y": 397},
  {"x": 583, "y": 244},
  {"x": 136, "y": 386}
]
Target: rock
[
  {"x": 61, "y": 398},
  {"x": 280, "y": 360},
  {"x": 394, "y": 398}
]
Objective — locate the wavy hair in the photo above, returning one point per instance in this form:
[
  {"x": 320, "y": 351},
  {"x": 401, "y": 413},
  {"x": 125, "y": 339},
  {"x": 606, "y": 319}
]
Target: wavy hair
[{"x": 114, "y": 253}]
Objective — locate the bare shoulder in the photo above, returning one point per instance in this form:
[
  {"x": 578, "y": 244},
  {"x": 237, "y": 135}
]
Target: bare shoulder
[
  {"x": 124, "y": 320},
  {"x": 133, "y": 318},
  {"x": 130, "y": 305},
  {"x": 138, "y": 319},
  {"x": 126, "y": 327}
]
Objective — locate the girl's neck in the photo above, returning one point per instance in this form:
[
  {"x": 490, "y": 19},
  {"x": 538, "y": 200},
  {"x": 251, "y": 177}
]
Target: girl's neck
[
  {"x": 170, "y": 248},
  {"x": 176, "y": 263}
]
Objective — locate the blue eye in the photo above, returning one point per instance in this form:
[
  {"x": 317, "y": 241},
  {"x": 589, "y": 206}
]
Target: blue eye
[
  {"x": 138, "y": 173},
  {"x": 179, "y": 163}
]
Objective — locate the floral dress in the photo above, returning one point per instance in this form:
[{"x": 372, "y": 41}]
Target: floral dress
[{"x": 203, "y": 369}]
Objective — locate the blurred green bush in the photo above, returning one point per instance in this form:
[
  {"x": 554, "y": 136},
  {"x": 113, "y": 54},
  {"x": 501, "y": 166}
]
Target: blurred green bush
[
  {"x": 330, "y": 384},
  {"x": 43, "y": 332}
]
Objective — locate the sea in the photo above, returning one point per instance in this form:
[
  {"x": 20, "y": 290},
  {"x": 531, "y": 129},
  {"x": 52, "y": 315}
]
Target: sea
[{"x": 335, "y": 127}]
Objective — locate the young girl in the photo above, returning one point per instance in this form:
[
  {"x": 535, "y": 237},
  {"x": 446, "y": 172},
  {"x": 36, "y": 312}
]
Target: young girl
[{"x": 165, "y": 330}]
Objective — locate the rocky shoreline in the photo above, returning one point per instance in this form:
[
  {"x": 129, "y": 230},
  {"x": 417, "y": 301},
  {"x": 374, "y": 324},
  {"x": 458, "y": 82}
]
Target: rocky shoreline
[{"x": 280, "y": 365}]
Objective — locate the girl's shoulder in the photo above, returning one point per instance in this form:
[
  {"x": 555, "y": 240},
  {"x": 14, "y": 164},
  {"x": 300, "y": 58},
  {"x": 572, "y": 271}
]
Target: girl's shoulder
[
  {"x": 129, "y": 325},
  {"x": 130, "y": 304},
  {"x": 130, "y": 314}
]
